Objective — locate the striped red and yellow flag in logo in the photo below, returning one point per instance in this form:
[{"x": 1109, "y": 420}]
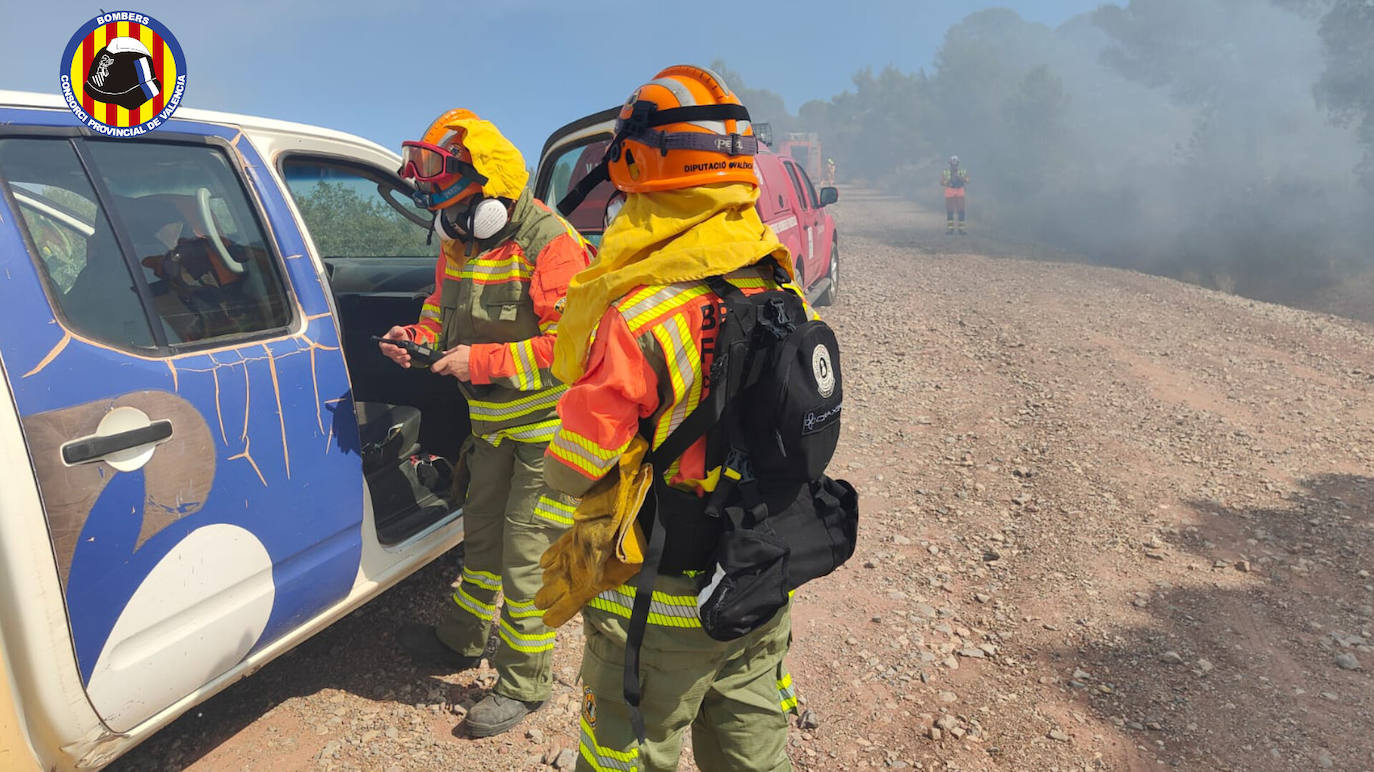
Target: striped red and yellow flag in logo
[{"x": 164, "y": 67}]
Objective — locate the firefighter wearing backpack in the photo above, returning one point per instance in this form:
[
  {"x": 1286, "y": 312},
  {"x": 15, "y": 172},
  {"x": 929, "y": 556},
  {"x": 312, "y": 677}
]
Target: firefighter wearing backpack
[
  {"x": 955, "y": 181},
  {"x": 500, "y": 284},
  {"x": 637, "y": 346}
]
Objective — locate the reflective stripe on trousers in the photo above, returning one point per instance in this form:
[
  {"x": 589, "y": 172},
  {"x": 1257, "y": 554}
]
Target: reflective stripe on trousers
[{"x": 664, "y": 610}]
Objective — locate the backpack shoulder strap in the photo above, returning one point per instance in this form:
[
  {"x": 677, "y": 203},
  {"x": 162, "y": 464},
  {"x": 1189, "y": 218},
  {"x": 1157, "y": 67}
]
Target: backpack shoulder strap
[
  {"x": 639, "y": 613},
  {"x": 693, "y": 427},
  {"x": 708, "y": 413}
]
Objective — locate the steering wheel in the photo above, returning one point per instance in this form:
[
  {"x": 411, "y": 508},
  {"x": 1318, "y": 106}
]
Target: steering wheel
[{"x": 203, "y": 204}]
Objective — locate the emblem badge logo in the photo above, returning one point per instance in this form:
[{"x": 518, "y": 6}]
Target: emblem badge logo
[
  {"x": 823, "y": 370},
  {"x": 123, "y": 74}
]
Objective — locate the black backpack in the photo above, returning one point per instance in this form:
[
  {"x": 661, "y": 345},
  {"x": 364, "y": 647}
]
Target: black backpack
[{"x": 774, "y": 520}]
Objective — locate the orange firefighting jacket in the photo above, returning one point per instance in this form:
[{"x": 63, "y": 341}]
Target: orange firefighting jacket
[
  {"x": 646, "y": 363},
  {"x": 505, "y": 300}
]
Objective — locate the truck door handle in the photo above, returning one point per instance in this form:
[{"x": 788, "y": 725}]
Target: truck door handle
[{"x": 96, "y": 447}]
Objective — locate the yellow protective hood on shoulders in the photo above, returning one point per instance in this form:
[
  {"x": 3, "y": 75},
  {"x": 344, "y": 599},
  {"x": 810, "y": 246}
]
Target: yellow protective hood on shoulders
[
  {"x": 663, "y": 238},
  {"x": 495, "y": 157}
]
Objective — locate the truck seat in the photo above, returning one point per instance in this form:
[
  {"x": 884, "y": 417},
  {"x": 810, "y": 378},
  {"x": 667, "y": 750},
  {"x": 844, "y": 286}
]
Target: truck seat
[{"x": 389, "y": 433}]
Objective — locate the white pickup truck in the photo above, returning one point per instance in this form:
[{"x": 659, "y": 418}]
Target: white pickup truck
[{"x": 203, "y": 459}]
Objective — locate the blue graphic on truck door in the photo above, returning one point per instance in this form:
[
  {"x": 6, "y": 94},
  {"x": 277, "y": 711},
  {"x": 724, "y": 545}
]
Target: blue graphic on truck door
[{"x": 184, "y": 399}]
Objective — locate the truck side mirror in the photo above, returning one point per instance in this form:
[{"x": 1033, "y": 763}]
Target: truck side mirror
[{"x": 829, "y": 196}]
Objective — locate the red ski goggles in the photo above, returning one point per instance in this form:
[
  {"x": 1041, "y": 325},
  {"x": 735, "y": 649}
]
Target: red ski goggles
[{"x": 426, "y": 162}]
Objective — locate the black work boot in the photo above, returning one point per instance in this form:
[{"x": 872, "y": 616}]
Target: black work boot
[
  {"x": 426, "y": 650},
  {"x": 495, "y": 714}
]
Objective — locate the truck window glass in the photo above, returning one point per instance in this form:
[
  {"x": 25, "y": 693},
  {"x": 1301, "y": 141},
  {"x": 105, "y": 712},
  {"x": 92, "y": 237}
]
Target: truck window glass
[
  {"x": 196, "y": 237},
  {"x": 810, "y": 189},
  {"x": 569, "y": 167},
  {"x": 796, "y": 183},
  {"x": 351, "y": 213},
  {"x": 771, "y": 202},
  {"x": 79, "y": 257}
]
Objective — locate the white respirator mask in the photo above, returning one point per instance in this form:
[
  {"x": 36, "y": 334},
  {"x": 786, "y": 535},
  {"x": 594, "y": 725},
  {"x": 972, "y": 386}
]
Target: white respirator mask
[{"x": 481, "y": 220}]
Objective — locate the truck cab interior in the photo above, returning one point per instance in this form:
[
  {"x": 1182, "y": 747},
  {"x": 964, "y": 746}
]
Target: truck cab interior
[{"x": 380, "y": 266}]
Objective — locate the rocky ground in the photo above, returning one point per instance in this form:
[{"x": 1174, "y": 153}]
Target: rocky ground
[{"x": 1110, "y": 521}]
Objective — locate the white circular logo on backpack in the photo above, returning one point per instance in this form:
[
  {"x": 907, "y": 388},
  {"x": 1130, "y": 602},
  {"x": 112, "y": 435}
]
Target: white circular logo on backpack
[{"x": 825, "y": 372}]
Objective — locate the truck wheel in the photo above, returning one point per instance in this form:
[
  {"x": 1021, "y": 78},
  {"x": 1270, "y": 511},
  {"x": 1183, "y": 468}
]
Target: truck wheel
[{"x": 833, "y": 289}]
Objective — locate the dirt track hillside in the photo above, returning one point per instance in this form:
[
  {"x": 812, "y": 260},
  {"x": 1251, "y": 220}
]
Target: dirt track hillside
[{"x": 1110, "y": 521}]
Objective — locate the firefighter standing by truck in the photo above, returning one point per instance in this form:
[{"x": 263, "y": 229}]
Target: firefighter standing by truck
[
  {"x": 955, "y": 181},
  {"x": 635, "y": 348},
  {"x": 500, "y": 284}
]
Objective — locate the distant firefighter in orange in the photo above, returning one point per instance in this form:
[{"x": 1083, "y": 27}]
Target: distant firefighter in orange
[{"x": 955, "y": 181}]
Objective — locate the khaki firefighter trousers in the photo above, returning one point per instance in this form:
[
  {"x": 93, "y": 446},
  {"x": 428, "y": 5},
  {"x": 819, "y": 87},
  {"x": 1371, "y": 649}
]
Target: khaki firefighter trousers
[
  {"x": 735, "y": 695},
  {"x": 509, "y": 519}
]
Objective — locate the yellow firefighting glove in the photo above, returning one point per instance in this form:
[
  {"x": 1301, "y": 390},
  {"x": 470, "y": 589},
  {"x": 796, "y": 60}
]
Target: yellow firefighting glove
[{"x": 604, "y": 548}]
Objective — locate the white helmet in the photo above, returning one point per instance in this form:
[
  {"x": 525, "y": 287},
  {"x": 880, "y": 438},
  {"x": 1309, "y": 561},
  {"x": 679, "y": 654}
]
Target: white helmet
[{"x": 954, "y": 160}]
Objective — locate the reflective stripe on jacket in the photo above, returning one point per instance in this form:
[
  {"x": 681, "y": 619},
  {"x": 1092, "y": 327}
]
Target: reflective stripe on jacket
[
  {"x": 956, "y": 180},
  {"x": 505, "y": 301},
  {"x": 651, "y": 349}
]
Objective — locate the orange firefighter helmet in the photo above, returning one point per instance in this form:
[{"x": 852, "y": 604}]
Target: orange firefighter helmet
[{"x": 681, "y": 129}]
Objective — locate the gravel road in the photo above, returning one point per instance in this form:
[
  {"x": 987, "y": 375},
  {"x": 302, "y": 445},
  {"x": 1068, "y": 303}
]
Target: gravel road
[{"x": 1110, "y": 521}]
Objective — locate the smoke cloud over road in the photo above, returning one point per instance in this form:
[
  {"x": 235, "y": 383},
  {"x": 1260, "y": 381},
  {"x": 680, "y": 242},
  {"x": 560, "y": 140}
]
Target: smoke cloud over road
[{"x": 1217, "y": 141}]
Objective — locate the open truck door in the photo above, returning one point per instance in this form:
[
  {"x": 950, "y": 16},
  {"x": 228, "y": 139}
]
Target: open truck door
[
  {"x": 569, "y": 154},
  {"x": 203, "y": 462}
]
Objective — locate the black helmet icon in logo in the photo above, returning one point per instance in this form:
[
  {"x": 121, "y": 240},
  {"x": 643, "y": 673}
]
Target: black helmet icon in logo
[{"x": 122, "y": 74}]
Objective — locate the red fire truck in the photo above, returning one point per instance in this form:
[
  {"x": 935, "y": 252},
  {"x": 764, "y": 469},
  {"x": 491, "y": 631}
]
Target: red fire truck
[{"x": 805, "y": 149}]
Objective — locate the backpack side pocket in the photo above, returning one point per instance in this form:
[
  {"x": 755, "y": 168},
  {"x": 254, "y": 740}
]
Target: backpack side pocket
[{"x": 747, "y": 586}]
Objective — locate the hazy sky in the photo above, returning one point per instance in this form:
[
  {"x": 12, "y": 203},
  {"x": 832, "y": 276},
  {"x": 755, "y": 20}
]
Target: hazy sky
[{"x": 385, "y": 69}]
